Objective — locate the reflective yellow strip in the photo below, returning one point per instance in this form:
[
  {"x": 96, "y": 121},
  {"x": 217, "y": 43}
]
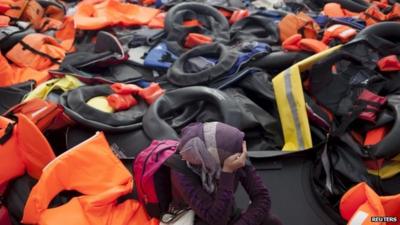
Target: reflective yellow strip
[
  {"x": 298, "y": 94},
  {"x": 288, "y": 89},
  {"x": 292, "y": 111},
  {"x": 293, "y": 103},
  {"x": 285, "y": 114}
]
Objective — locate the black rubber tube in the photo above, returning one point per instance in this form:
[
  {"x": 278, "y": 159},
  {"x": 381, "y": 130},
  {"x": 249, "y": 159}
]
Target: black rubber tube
[
  {"x": 157, "y": 128},
  {"x": 207, "y": 15},
  {"x": 386, "y": 30},
  {"x": 178, "y": 76},
  {"x": 279, "y": 61}
]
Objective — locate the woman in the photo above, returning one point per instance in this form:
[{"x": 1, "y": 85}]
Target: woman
[{"x": 217, "y": 153}]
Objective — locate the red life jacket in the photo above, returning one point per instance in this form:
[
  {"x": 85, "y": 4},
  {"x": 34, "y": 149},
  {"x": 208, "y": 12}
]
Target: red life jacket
[{"x": 340, "y": 32}]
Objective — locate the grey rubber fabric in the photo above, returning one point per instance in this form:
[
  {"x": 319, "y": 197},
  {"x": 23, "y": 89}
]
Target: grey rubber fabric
[
  {"x": 387, "y": 31},
  {"x": 156, "y": 126},
  {"x": 382, "y": 37},
  {"x": 255, "y": 28},
  {"x": 276, "y": 62},
  {"x": 213, "y": 24},
  {"x": 226, "y": 59}
]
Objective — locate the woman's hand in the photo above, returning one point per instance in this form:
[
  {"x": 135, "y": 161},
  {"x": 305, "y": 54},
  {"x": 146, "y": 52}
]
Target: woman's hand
[{"x": 235, "y": 161}]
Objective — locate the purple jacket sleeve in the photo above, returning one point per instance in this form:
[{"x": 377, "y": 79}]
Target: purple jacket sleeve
[
  {"x": 260, "y": 200},
  {"x": 211, "y": 209}
]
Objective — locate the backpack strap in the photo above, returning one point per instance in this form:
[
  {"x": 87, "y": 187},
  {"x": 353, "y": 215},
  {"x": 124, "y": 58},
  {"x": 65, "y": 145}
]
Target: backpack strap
[{"x": 176, "y": 163}]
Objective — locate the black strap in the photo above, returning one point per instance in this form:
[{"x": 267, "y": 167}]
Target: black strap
[
  {"x": 26, "y": 46},
  {"x": 359, "y": 107},
  {"x": 321, "y": 73},
  {"x": 372, "y": 17},
  {"x": 47, "y": 21},
  {"x": 7, "y": 133},
  {"x": 176, "y": 163},
  {"x": 173, "y": 162}
]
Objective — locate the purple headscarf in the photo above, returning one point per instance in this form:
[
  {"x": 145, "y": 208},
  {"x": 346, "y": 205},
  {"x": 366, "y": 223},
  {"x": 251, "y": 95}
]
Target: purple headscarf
[{"x": 205, "y": 146}]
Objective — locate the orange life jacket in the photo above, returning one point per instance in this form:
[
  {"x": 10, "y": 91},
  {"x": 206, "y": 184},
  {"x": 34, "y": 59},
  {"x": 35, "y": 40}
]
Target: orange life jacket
[
  {"x": 54, "y": 12},
  {"x": 238, "y": 15},
  {"x": 298, "y": 43},
  {"x": 225, "y": 12},
  {"x": 4, "y": 21},
  {"x": 37, "y": 51},
  {"x": 195, "y": 39},
  {"x": 66, "y": 34},
  {"x": 333, "y": 10},
  {"x": 15, "y": 8},
  {"x": 120, "y": 102},
  {"x": 374, "y": 15},
  {"x": 23, "y": 147},
  {"x": 298, "y": 24},
  {"x": 362, "y": 206},
  {"x": 380, "y": 3},
  {"x": 45, "y": 115},
  {"x": 157, "y": 22},
  {"x": 150, "y": 94},
  {"x": 49, "y": 24},
  {"x": 336, "y": 10},
  {"x": 374, "y": 136},
  {"x": 33, "y": 12},
  {"x": 91, "y": 16},
  {"x": 394, "y": 15},
  {"x": 92, "y": 169},
  {"x": 340, "y": 32},
  {"x": 11, "y": 75}
]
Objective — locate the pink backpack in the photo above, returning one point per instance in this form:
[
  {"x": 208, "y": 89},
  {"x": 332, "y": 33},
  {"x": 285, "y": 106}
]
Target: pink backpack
[
  {"x": 4, "y": 217},
  {"x": 152, "y": 175}
]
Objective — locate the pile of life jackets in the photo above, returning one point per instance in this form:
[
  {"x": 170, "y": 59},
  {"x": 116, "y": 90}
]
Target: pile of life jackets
[{"x": 85, "y": 86}]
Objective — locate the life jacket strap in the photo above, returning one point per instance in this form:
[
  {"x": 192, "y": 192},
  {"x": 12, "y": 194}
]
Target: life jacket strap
[{"x": 7, "y": 133}]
